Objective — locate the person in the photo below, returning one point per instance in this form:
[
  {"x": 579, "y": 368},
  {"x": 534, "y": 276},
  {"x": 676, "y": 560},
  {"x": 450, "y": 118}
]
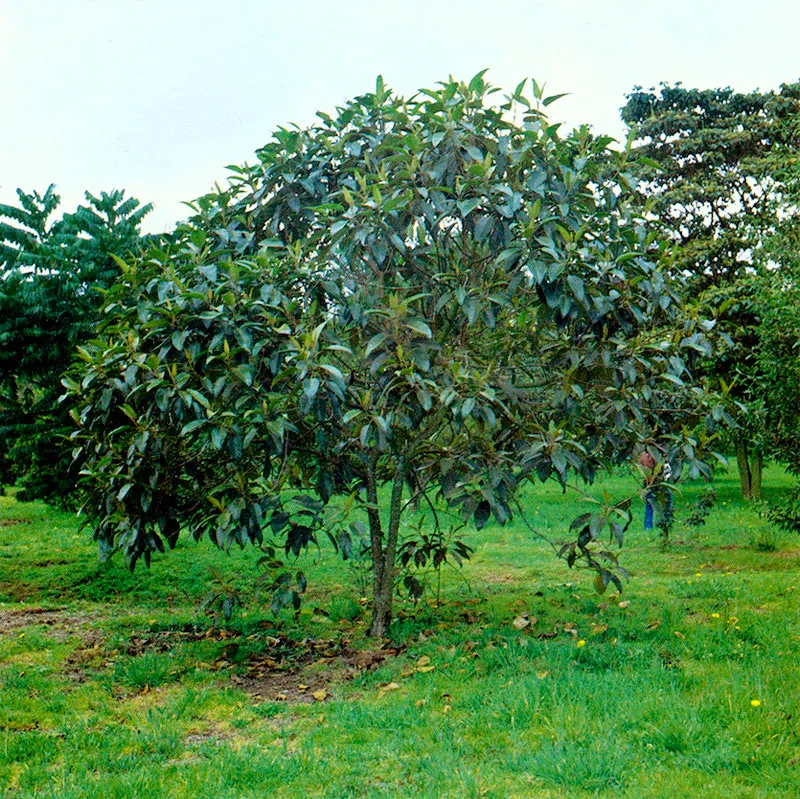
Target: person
[
  {"x": 647, "y": 465},
  {"x": 653, "y": 492}
]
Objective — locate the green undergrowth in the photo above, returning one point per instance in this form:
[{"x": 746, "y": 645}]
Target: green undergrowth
[{"x": 512, "y": 678}]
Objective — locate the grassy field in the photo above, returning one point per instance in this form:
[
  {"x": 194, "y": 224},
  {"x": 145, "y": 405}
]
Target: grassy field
[{"x": 522, "y": 683}]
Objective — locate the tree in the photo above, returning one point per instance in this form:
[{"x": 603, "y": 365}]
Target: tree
[
  {"x": 778, "y": 304},
  {"x": 414, "y": 303},
  {"x": 718, "y": 171},
  {"x": 51, "y": 274}
]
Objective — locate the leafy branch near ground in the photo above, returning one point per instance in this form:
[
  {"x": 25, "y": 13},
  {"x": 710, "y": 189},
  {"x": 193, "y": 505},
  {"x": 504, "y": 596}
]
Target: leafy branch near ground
[{"x": 701, "y": 509}]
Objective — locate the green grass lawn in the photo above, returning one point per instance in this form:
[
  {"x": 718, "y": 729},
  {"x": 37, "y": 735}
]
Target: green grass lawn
[{"x": 522, "y": 682}]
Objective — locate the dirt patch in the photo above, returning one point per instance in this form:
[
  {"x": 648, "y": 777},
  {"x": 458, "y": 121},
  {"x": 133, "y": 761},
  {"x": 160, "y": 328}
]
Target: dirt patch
[
  {"x": 61, "y": 626},
  {"x": 16, "y": 618},
  {"x": 786, "y": 554},
  {"x": 304, "y": 671},
  {"x": 166, "y": 640},
  {"x": 12, "y": 522},
  {"x": 16, "y": 592},
  {"x": 90, "y": 655},
  {"x": 286, "y": 670},
  {"x": 501, "y": 578}
]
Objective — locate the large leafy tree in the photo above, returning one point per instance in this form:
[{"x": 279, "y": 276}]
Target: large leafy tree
[
  {"x": 718, "y": 170},
  {"x": 52, "y": 272},
  {"x": 415, "y": 304},
  {"x": 778, "y": 303}
]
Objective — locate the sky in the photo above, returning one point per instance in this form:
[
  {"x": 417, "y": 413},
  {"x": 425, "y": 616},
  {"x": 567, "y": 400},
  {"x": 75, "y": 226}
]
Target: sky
[{"x": 156, "y": 97}]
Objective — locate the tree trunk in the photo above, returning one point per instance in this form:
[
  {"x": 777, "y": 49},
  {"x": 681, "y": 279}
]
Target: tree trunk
[
  {"x": 756, "y": 468},
  {"x": 376, "y": 541},
  {"x": 745, "y": 475},
  {"x": 383, "y": 558}
]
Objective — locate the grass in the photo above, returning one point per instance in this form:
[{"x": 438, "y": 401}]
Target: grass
[{"x": 119, "y": 685}]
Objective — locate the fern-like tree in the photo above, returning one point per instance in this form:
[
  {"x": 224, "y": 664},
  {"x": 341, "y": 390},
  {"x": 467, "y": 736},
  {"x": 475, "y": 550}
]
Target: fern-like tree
[
  {"x": 53, "y": 271},
  {"x": 415, "y": 303}
]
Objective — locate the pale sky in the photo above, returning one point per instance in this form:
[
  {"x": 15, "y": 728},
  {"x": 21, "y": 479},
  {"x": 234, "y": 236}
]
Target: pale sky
[{"x": 157, "y": 96}]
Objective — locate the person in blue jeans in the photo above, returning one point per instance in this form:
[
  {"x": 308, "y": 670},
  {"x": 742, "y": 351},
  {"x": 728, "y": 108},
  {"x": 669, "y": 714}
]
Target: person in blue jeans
[{"x": 655, "y": 493}]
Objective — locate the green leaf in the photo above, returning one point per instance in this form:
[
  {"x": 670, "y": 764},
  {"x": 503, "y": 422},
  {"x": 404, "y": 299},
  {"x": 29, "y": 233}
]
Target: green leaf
[
  {"x": 374, "y": 343},
  {"x": 198, "y": 397},
  {"x": 468, "y": 206},
  {"x": 576, "y": 284},
  {"x": 482, "y": 514},
  {"x": 553, "y": 97},
  {"x": 332, "y": 370},
  {"x": 190, "y": 427},
  {"x": 208, "y": 271},
  {"x": 421, "y": 327}
]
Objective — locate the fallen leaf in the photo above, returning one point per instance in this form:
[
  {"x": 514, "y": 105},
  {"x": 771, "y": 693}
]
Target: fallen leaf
[
  {"x": 542, "y": 674},
  {"x": 678, "y": 634},
  {"x": 624, "y": 604},
  {"x": 302, "y": 687},
  {"x": 420, "y": 702},
  {"x": 392, "y": 686},
  {"x": 281, "y": 697},
  {"x": 423, "y": 661},
  {"x": 446, "y": 709},
  {"x": 320, "y": 695},
  {"x": 425, "y": 669},
  {"x": 598, "y": 629},
  {"x": 521, "y": 622}
]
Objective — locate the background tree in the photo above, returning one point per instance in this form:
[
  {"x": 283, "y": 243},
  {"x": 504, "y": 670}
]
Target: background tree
[
  {"x": 718, "y": 172},
  {"x": 778, "y": 361},
  {"x": 52, "y": 273},
  {"x": 415, "y": 303}
]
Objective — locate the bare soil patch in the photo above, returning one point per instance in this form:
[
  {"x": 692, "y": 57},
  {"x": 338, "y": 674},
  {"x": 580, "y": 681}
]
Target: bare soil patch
[
  {"x": 787, "y": 554},
  {"x": 303, "y": 672},
  {"x": 16, "y": 591},
  {"x": 166, "y": 640},
  {"x": 89, "y": 655},
  {"x": 286, "y": 670},
  {"x": 61, "y": 626},
  {"x": 15, "y": 618}
]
